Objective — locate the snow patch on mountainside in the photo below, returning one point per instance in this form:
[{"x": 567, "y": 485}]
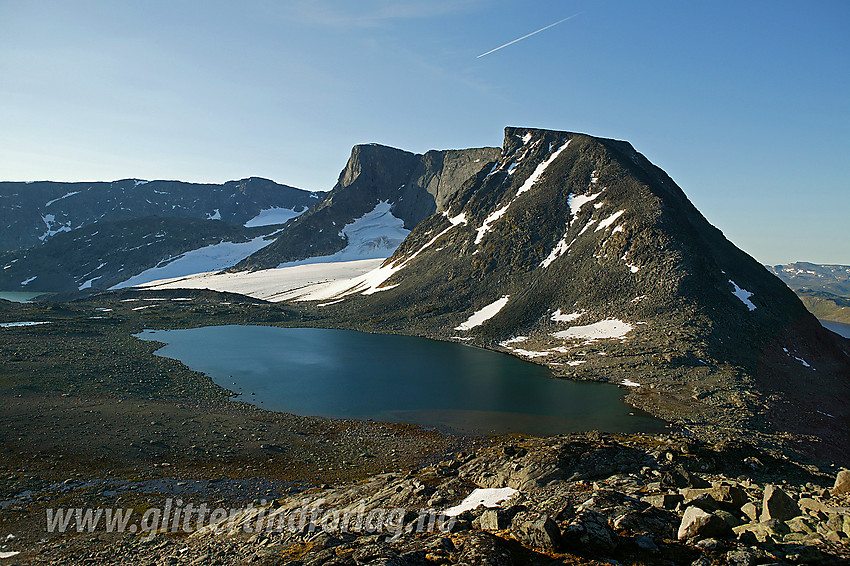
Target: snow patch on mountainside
[
  {"x": 486, "y": 496},
  {"x": 557, "y": 316},
  {"x": 604, "y": 329},
  {"x": 608, "y": 221},
  {"x": 485, "y": 226},
  {"x": 575, "y": 203},
  {"x": 632, "y": 267},
  {"x": 560, "y": 249},
  {"x": 24, "y": 323},
  {"x": 87, "y": 284},
  {"x": 743, "y": 295},
  {"x": 532, "y": 179},
  {"x": 53, "y": 227},
  {"x": 48, "y": 203},
  {"x": 481, "y": 316},
  {"x": 529, "y": 353},
  {"x": 275, "y": 215},
  {"x": 799, "y": 359}
]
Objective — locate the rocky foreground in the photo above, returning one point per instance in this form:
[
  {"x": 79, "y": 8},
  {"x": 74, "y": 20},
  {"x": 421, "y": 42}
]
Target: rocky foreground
[{"x": 577, "y": 499}]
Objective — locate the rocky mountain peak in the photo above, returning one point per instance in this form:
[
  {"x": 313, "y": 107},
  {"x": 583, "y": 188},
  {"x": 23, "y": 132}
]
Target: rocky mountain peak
[
  {"x": 577, "y": 252},
  {"x": 380, "y": 165},
  {"x": 410, "y": 186}
]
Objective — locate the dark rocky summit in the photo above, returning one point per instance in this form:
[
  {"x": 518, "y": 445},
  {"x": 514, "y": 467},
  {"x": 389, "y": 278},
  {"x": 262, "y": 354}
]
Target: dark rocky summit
[{"x": 415, "y": 187}]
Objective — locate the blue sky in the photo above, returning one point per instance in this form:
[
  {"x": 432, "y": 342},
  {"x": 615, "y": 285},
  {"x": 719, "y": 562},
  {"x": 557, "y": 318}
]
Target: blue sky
[{"x": 745, "y": 104}]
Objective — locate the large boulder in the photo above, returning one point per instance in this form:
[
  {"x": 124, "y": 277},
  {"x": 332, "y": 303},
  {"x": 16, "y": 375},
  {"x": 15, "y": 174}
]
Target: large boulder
[
  {"x": 750, "y": 510},
  {"x": 612, "y": 503},
  {"x": 589, "y": 531},
  {"x": 483, "y": 548},
  {"x": 681, "y": 478},
  {"x": 664, "y": 500},
  {"x": 729, "y": 497},
  {"x": 699, "y": 524},
  {"x": 498, "y": 519},
  {"x": 778, "y": 505},
  {"x": 653, "y": 521},
  {"x": 811, "y": 505},
  {"x": 842, "y": 483},
  {"x": 772, "y": 530},
  {"x": 536, "y": 530}
]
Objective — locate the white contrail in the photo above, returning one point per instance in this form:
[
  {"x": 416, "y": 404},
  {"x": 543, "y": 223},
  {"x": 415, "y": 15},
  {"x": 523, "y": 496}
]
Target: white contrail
[{"x": 529, "y": 35}]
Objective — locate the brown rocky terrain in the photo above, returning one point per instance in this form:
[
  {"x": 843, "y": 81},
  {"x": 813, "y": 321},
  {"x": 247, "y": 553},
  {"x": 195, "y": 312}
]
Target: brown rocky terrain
[{"x": 576, "y": 499}]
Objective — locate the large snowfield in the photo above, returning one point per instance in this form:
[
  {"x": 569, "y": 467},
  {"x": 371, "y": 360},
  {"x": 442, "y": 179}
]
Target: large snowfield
[
  {"x": 209, "y": 258},
  {"x": 371, "y": 238},
  {"x": 374, "y": 235},
  {"x": 281, "y": 284}
]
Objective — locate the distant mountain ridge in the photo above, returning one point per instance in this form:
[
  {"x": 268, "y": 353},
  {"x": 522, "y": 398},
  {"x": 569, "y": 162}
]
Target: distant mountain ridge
[
  {"x": 63, "y": 237},
  {"x": 34, "y": 212},
  {"x": 824, "y": 289},
  {"x": 833, "y": 279}
]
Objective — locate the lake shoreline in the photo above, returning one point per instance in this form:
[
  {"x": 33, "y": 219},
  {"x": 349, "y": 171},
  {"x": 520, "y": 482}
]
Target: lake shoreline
[
  {"x": 21, "y": 296},
  {"x": 840, "y": 328},
  {"x": 83, "y": 398},
  {"x": 465, "y": 389}
]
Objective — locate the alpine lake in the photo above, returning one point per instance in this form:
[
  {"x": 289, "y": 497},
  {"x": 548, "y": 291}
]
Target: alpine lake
[
  {"x": 19, "y": 296},
  {"x": 354, "y": 375}
]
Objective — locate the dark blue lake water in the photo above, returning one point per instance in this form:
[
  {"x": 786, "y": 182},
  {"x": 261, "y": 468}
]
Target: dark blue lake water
[{"x": 341, "y": 373}]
